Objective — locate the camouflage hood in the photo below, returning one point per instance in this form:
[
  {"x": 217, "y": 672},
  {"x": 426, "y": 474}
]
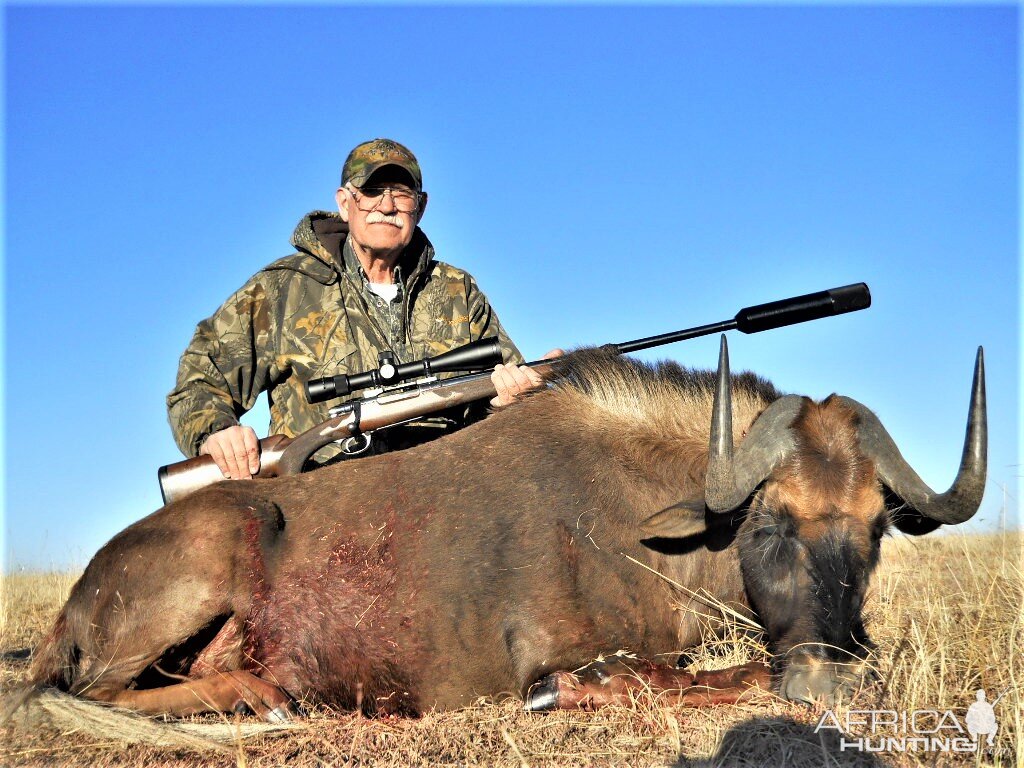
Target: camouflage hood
[{"x": 321, "y": 234}]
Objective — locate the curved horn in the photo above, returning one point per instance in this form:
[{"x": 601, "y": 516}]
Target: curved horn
[
  {"x": 729, "y": 481},
  {"x": 963, "y": 498}
]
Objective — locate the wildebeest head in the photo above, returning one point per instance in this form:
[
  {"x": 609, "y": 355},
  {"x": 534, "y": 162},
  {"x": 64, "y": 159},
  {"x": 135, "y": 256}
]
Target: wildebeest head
[{"x": 817, "y": 485}]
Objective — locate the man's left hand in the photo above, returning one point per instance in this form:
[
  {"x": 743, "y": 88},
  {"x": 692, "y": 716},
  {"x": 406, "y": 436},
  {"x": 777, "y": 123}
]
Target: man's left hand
[{"x": 510, "y": 381}]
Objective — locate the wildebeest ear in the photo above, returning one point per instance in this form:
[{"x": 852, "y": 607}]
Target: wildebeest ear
[
  {"x": 906, "y": 519},
  {"x": 913, "y": 524},
  {"x": 678, "y": 521}
]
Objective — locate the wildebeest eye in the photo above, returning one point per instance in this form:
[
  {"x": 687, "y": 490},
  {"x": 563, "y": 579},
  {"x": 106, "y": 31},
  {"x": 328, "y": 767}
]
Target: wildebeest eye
[
  {"x": 768, "y": 523},
  {"x": 879, "y": 527}
]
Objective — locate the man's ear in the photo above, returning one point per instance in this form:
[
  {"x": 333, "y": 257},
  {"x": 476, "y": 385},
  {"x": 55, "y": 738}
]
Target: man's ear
[
  {"x": 343, "y": 197},
  {"x": 687, "y": 518},
  {"x": 423, "y": 206}
]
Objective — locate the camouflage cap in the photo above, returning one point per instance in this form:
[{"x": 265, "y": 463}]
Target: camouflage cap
[{"x": 371, "y": 155}]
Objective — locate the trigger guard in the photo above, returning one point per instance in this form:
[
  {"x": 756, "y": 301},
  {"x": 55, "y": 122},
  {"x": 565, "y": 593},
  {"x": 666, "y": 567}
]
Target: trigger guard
[{"x": 356, "y": 444}]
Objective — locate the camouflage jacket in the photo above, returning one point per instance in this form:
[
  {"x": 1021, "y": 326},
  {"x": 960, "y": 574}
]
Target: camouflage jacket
[{"x": 305, "y": 316}]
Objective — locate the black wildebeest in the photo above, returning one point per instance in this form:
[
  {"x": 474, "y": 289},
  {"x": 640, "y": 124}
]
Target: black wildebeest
[{"x": 579, "y": 522}]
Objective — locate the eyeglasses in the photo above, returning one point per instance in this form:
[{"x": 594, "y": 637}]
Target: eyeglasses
[{"x": 368, "y": 198}]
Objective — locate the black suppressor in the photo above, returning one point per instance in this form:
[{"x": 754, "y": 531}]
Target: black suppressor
[
  {"x": 813, "y": 306},
  {"x": 764, "y": 317},
  {"x": 475, "y": 356}
]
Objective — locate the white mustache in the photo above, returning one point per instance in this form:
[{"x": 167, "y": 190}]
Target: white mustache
[{"x": 376, "y": 217}]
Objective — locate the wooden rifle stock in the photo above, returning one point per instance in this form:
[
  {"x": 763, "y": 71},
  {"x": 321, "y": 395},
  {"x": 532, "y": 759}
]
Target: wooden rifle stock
[
  {"x": 280, "y": 455},
  {"x": 184, "y": 477}
]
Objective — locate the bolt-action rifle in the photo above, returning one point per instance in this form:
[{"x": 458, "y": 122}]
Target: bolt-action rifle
[{"x": 391, "y": 398}]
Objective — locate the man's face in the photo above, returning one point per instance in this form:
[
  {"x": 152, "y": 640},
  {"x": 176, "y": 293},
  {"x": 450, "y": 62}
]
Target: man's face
[{"x": 383, "y": 228}]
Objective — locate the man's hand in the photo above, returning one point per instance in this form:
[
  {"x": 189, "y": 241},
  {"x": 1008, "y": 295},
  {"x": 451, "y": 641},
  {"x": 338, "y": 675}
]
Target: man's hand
[
  {"x": 236, "y": 451},
  {"x": 512, "y": 380}
]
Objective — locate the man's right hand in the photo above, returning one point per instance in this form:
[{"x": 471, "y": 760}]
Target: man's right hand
[{"x": 236, "y": 451}]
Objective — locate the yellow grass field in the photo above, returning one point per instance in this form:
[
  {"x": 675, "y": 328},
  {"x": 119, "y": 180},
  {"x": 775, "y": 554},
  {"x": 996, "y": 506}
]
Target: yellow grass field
[{"x": 945, "y": 612}]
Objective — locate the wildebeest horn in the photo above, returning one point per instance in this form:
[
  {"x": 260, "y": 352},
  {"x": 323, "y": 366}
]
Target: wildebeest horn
[
  {"x": 963, "y": 498},
  {"x": 729, "y": 481}
]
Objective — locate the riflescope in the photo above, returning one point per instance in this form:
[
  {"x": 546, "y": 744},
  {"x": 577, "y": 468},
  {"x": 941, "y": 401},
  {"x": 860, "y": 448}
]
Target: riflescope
[{"x": 475, "y": 356}]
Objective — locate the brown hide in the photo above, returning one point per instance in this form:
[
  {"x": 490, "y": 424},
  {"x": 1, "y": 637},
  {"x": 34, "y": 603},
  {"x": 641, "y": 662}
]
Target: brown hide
[
  {"x": 470, "y": 566},
  {"x": 473, "y": 565}
]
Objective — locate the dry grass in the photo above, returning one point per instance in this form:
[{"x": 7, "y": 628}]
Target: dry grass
[{"x": 945, "y": 611}]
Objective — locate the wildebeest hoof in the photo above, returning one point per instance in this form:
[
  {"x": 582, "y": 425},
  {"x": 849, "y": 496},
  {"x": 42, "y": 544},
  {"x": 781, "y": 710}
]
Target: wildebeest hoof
[
  {"x": 278, "y": 715},
  {"x": 544, "y": 695}
]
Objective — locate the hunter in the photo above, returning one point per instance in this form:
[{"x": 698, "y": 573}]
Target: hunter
[{"x": 362, "y": 281}]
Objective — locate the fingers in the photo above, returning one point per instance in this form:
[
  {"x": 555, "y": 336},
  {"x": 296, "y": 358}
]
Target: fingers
[
  {"x": 510, "y": 381},
  {"x": 235, "y": 450},
  {"x": 502, "y": 381},
  {"x": 252, "y": 449}
]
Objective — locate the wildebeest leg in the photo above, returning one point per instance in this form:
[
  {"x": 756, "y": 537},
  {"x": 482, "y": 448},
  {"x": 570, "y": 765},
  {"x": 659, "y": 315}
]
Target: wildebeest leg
[
  {"x": 167, "y": 599},
  {"x": 615, "y": 679},
  {"x": 223, "y": 692},
  {"x": 727, "y": 686}
]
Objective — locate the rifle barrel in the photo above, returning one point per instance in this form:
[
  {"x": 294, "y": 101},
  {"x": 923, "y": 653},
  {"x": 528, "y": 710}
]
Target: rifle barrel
[{"x": 667, "y": 338}]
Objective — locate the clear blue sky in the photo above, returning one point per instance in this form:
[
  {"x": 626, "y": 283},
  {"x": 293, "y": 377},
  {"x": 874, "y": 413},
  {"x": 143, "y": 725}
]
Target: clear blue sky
[{"x": 605, "y": 172}]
